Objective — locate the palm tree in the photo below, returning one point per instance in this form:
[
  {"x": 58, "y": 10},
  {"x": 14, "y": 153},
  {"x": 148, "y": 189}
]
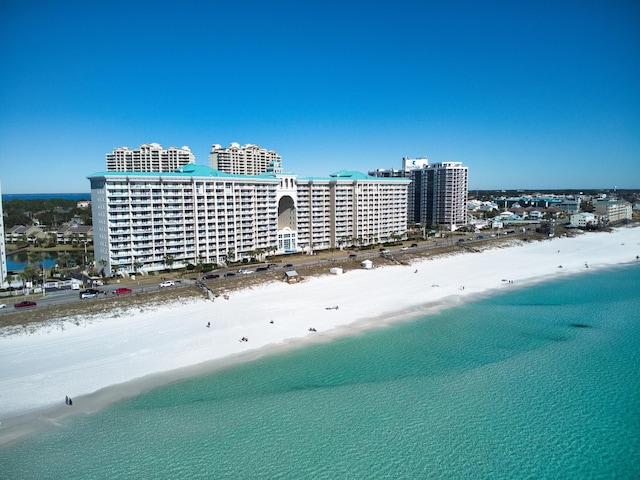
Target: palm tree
[
  {"x": 63, "y": 259},
  {"x": 103, "y": 263},
  {"x": 35, "y": 258},
  {"x": 169, "y": 260}
]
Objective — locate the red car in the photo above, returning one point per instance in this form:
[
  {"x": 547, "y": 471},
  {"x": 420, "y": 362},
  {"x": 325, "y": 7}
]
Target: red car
[
  {"x": 25, "y": 304},
  {"x": 122, "y": 290}
]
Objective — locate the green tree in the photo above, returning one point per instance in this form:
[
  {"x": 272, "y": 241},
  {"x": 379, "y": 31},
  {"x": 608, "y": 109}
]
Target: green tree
[
  {"x": 103, "y": 263},
  {"x": 169, "y": 260}
]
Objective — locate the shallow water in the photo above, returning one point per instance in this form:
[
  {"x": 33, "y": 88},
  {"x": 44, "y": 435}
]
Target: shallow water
[{"x": 535, "y": 383}]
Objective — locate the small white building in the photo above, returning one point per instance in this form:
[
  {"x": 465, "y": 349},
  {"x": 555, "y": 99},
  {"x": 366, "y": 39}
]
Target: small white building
[
  {"x": 367, "y": 264},
  {"x": 583, "y": 219}
]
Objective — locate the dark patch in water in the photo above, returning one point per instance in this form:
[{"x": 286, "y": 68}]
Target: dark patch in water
[{"x": 579, "y": 325}]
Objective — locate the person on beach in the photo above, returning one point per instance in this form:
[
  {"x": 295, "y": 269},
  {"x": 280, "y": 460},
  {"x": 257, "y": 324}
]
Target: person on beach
[
  {"x": 70, "y": 401},
  {"x": 208, "y": 324},
  {"x": 66, "y": 399}
]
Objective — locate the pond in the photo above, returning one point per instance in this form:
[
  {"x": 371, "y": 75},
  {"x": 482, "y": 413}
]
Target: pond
[{"x": 18, "y": 261}]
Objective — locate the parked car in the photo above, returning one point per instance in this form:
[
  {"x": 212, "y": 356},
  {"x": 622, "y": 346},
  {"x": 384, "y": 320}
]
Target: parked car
[
  {"x": 244, "y": 271},
  {"x": 414, "y": 245},
  {"x": 262, "y": 269},
  {"x": 211, "y": 276},
  {"x": 288, "y": 265},
  {"x": 122, "y": 290},
  {"x": 353, "y": 255},
  {"x": 2, "y": 305},
  {"x": 25, "y": 304},
  {"x": 384, "y": 251},
  {"x": 230, "y": 274},
  {"x": 167, "y": 283},
  {"x": 404, "y": 249},
  {"x": 271, "y": 265},
  {"x": 89, "y": 293}
]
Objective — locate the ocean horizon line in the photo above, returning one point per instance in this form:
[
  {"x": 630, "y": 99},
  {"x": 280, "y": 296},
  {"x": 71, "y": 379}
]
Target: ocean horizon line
[{"x": 46, "y": 196}]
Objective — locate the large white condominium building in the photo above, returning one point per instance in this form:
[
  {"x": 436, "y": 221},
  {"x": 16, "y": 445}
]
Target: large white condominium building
[
  {"x": 151, "y": 221},
  {"x": 3, "y": 250},
  {"x": 149, "y": 158},
  {"x": 439, "y": 194},
  {"x": 246, "y": 160}
]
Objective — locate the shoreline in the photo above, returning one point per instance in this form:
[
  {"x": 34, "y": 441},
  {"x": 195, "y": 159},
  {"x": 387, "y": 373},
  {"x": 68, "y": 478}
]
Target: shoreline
[{"x": 113, "y": 358}]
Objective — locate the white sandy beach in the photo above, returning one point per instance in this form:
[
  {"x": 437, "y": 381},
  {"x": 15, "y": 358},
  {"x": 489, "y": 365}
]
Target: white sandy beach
[{"x": 138, "y": 349}]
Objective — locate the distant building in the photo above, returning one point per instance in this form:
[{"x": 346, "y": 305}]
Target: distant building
[
  {"x": 438, "y": 192},
  {"x": 149, "y": 157},
  {"x": 613, "y": 210},
  {"x": 569, "y": 206},
  {"x": 70, "y": 234},
  {"x": 584, "y": 219},
  {"x": 3, "y": 250},
  {"x": 28, "y": 234},
  {"x": 246, "y": 160}
]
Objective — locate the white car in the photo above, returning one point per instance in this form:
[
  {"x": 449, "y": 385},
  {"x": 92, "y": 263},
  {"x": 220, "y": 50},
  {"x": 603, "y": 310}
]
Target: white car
[
  {"x": 244, "y": 271},
  {"x": 2, "y": 305},
  {"x": 167, "y": 283}
]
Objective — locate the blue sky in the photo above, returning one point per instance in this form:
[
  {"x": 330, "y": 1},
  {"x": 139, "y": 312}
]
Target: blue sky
[{"x": 532, "y": 95}]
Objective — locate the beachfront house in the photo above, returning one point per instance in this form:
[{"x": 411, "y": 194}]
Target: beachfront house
[{"x": 584, "y": 219}]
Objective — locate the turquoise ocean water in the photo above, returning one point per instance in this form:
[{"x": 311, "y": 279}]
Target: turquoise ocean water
[{"x": 541, "y": 382}]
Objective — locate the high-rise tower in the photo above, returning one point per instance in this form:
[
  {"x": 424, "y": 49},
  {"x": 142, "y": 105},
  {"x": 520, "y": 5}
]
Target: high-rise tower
[
  {"x": 246, "y": 160},
  {"x": 150, "y": 157}
]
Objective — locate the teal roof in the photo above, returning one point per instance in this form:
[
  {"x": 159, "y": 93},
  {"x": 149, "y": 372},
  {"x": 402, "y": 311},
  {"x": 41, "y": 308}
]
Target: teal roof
[
  {"x": 354, "y": 175},
  {"x": 193, "y": 170},
  {"x": 189, "y": 170}
]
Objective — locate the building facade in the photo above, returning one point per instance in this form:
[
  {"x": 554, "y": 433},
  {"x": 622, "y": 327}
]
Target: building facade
[
  {"x": 149, "y": 158},
  {"x": 246, "y": 160},
  {"x": 583, "y": 219},
  {"x": 613, "y": 210},
  {"x": 439, "y": 194},
  {"x": 151, "y": 221},
  {"x": 350, "y": 208}
]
